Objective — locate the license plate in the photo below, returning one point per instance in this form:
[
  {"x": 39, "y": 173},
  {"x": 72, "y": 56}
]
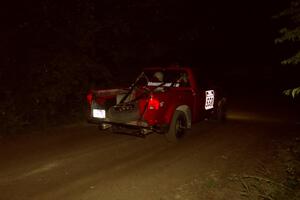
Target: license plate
[{"x": 99, "y": 113}]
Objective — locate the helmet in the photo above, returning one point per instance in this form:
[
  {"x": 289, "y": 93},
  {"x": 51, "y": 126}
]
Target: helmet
[{"x": 159, "y": 76}]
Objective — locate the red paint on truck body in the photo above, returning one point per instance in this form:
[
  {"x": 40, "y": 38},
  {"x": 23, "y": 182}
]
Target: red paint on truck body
[{"x": 159, "y": 106}]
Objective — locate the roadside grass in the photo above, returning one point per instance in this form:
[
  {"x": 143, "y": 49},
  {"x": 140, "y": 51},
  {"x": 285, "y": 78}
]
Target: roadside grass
[
  {"x": 279, "y": 180},
  {"x": 14, "y": 124}
]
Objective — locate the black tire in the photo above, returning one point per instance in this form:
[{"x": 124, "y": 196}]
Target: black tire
[
  {"x": 220, "y": 113},
  {"x": 177, "y": 127}
]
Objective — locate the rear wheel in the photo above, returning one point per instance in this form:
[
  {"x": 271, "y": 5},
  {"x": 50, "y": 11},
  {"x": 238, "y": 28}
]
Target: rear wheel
[{"x": 177, "y": 127}]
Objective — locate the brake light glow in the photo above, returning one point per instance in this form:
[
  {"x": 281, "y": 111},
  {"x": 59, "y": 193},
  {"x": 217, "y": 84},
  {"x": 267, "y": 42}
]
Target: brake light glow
[
  {"x": 153, "y": 104},
  {"x": 89, "y": 98}
]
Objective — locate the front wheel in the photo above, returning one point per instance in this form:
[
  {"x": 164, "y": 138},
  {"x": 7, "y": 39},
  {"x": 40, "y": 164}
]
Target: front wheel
[
  {"x": 177, "y": 127},
  {"x": 220, "y": 113}
]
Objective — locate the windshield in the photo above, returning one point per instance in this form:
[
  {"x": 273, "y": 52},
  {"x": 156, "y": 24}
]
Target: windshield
[{"x": 166, "y": 78}]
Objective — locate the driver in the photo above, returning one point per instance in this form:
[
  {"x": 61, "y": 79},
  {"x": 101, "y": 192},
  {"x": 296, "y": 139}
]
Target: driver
[
  {"x": 183, "y": 80},
  {"x": 159, "y": 76}
]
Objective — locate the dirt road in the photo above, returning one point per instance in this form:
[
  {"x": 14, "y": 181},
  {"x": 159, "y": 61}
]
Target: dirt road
[{"x": 81, "y": 162}]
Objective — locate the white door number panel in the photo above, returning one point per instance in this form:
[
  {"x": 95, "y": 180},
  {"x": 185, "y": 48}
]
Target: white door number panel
[{"x": 209, "y": 99}]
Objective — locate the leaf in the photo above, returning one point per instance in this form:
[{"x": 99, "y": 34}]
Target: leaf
[
  {"x": 292, "y": 92},
  {"x": 295, "y": 92},
  {"x": 287, "y": 92},
  {"x": 292, "y": 60}
]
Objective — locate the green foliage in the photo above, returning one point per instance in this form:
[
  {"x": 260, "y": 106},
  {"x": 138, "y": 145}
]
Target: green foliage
[
  {"x": 291, "y": 33},
  {"x": 292, "y": 92},
  {"x": 55, "y": 93},
  {"x": 46, "y": 79},
  {"x": 294, "y": 60}
]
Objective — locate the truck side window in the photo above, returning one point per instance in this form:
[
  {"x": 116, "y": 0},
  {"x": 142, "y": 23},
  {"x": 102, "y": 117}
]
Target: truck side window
[{"x": 183, "y": 80}]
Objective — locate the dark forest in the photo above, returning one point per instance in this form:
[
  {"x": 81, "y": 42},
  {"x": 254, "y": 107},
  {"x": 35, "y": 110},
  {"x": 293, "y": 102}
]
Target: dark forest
[{"x": 52, "y": 52}]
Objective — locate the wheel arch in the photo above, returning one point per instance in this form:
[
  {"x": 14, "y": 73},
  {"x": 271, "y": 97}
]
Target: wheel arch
[{"x": 187, "y": 112}]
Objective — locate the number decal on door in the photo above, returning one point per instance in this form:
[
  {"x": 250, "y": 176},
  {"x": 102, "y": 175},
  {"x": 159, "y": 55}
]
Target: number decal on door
[{"x": 209, "y": 99}]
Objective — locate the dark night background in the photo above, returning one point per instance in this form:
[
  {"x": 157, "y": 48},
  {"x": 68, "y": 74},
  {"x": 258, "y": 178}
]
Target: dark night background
[{"x": 52, "y": 52}]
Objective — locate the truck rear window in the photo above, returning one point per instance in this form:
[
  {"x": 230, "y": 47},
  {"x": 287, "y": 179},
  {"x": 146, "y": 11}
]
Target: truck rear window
[{"x": 167, "y": 78}]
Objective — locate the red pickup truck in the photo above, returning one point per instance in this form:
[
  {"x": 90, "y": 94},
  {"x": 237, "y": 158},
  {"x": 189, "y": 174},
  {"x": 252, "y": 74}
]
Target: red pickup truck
[{"x": 161, "y": 100}]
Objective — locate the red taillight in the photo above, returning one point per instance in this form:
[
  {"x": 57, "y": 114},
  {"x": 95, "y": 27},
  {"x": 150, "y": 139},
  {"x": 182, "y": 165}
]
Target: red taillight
[
  {"x": 89, "y": 98},
  {"x": 153, "y": 104}
]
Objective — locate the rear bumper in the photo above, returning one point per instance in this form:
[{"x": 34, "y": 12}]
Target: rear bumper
[{"x": 134, "y": 125}]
